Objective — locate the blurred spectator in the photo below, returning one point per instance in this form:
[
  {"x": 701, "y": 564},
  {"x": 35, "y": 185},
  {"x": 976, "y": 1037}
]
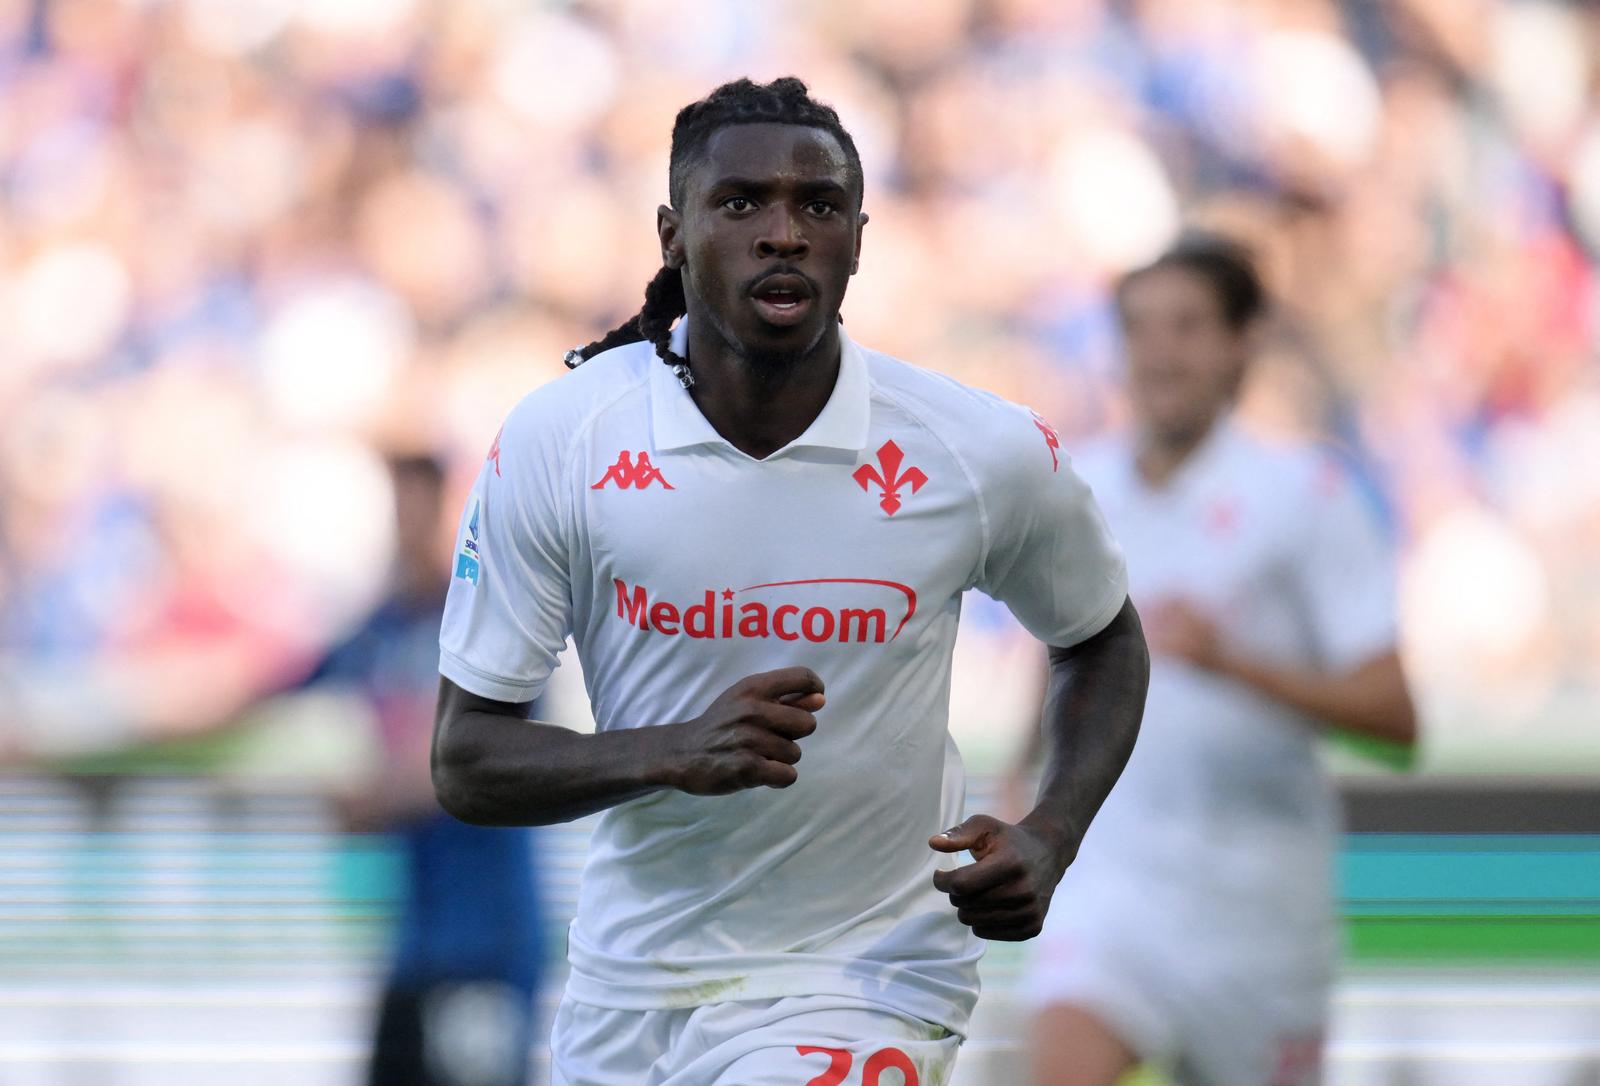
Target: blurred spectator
[
  {"x": 242, "y": 243},
  {"x": 458, "y": 1006}
]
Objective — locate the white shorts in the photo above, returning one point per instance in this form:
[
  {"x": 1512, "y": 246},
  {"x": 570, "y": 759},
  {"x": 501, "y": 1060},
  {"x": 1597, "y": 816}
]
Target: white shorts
[
  {"x": 795, "y": 1041},
  {"x": 1207, "y": 1008}
]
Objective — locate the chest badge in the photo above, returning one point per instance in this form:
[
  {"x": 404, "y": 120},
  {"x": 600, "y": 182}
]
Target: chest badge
[
  {"x": 630, "y": 472},
  {"x": 1222, "y": 518},
  {"x": 888, "y": 477}
]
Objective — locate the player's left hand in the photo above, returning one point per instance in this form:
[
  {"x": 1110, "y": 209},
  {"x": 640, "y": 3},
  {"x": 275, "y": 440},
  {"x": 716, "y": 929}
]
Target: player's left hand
[{"x": 1006, "y": 893}]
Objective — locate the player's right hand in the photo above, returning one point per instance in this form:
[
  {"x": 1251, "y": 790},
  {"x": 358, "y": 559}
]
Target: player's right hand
[{"x": 748, "y": 737}]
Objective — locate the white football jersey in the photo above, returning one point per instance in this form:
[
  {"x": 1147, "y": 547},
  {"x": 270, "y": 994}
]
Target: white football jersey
[
  {"x": 611, "y": 510},
  {"x": 1225, "y": 799}
]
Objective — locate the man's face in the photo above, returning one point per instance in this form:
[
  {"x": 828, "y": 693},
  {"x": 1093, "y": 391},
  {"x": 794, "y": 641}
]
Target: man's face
[
  {"x": 418, "y": 503},
  {"x": 1184, "y": 360},
  {"x": 768, "y": 237}
]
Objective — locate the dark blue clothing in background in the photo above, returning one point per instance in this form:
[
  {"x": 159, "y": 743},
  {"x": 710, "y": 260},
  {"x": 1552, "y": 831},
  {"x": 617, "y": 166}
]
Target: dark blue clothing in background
[{"x": 470, "y": 908}]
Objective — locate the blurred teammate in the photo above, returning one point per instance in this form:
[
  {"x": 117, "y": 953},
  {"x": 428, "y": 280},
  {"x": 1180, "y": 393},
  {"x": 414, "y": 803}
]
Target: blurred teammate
[
  {"x": 459, "y": 1001},
  {"x": 1196, "y": 929},
  {"x": 724, "y": 515}
]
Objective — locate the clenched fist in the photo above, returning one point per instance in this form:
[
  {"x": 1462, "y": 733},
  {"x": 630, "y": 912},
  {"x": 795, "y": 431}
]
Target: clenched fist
[
  {"x": 748, "y": 737},
  {"x": 1006, "y": 893}
]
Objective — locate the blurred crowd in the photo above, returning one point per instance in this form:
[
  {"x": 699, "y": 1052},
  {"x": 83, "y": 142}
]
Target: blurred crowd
[{"x": 250, "y": 248}]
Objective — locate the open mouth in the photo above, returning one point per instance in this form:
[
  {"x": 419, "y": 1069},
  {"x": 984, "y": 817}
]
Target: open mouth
[{"x": 782, "y": 299}]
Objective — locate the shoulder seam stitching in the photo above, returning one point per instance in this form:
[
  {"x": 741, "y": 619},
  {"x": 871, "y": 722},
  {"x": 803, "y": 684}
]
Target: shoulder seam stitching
[{"x": 579, "y": 433}]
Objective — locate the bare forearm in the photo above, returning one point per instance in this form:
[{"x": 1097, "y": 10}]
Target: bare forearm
[
  {"x": 1093, "y": 706},
  {"x": 1371, "y": 700},
  {"x": 495, "y": 772},
  {"x": 495, "y": 767}
]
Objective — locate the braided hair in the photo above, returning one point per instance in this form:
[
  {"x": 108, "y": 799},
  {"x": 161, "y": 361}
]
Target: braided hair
[{"x": 783, "y": 101}]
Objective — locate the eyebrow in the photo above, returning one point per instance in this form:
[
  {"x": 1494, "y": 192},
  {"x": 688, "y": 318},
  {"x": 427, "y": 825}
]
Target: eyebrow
[{"x": 754, "y": 184}]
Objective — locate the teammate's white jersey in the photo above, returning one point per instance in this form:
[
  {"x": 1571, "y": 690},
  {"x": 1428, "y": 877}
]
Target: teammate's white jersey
[
  {"x": 610, "y": 509},
  {"x": 1223, "y": 823}
]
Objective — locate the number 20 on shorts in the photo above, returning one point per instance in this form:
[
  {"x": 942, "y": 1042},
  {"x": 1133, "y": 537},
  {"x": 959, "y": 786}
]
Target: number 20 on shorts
[{"x": 877, "y": 1063}]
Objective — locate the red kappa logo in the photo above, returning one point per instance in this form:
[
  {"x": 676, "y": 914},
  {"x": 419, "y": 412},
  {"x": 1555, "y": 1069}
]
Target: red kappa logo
[
  {"x": 891, "y": 478},
  {"x": 1051, "y": 438},
  {"x": 494, "y": 450},
  {"x": 628, "y": 472}
]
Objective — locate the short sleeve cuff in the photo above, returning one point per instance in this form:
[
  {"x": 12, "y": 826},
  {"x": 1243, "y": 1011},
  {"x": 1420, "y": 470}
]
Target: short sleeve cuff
[
  {"x": 475, "y": 681},
  {"x": 1099, "y": 619}
]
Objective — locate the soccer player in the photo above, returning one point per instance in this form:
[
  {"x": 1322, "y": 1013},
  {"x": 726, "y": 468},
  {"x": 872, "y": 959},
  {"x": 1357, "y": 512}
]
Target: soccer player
[
  {"x": 458, "y": 1005},
  {"x": 740, "y": 520},
  {"x": 1196, "y": 929}
]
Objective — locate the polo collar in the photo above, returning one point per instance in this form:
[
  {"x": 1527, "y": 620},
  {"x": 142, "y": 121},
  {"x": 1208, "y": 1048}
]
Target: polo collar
[{"x": 677, "y": 423}]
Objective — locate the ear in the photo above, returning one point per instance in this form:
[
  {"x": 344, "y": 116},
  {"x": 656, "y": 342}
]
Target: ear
[
  {"x": 669, "y": 228},
  {"x": 861, "y": 226}
]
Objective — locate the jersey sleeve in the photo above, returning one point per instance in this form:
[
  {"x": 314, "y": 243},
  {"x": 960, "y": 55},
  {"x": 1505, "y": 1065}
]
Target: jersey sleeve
[
  {"x": 509, "y": 609},
  {"x": 1050, "y": 558},
  {"x": 1346, "y": 573}
]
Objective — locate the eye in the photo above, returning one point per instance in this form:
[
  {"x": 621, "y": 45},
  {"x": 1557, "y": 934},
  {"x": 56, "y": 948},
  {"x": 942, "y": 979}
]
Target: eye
[
  {"x": 738, "y": 203},
  {"x": 821, "y": 208}
]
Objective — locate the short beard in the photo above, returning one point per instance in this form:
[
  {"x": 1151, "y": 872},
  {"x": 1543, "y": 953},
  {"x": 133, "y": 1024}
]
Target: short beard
[
  {"x": 769, "y": 364},
  {"x": 772, "y": 364}
]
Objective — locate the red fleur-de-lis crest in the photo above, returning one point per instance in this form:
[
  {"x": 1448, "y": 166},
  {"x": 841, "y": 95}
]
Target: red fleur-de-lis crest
[
  {"x": 891, "y": 479},
  {"x": 1222, "y": 519}
]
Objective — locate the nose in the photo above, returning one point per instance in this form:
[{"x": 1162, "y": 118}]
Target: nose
[{"x": 782, "y": 234}]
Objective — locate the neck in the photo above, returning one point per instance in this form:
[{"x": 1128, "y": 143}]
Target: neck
[
  {"x": 1162, "y": 453},
  {"x": 760, "y": 406}
]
